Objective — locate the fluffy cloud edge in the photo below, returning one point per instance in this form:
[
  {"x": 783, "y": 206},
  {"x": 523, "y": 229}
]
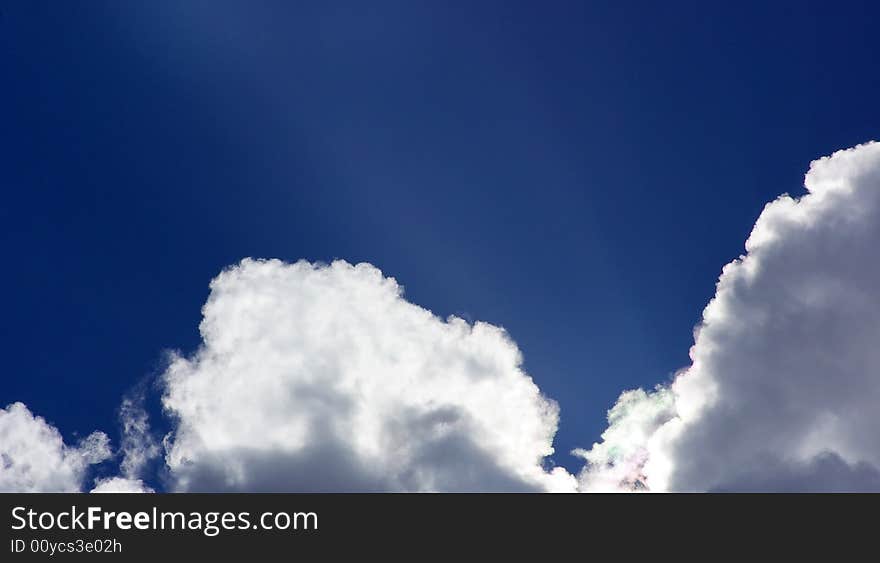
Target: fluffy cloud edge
[
  {"x": 756, "y": 409},
  {"x": 34, "y": 457},
  {"x": 643, "y": 447},
  {"x": 329, "y": 361}
]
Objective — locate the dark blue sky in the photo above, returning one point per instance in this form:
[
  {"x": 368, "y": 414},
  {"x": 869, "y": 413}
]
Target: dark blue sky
[{"x": 575, "y": 172}]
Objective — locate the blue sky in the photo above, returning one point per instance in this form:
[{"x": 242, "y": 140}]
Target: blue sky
[{"x": 577, "y": 173}]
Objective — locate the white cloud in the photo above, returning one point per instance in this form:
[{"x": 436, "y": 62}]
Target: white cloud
[
  {"x": 138, "y": 449},
  {"x": 323, "y": 378},
  {"x": 784, "y": 384},
  {"x": 121, "y": 485},
  {"x": 618, "y": 461},
  {"x": 34, "y": 458},
  {"x": 139, "y": 446},
  {"x": 315, "y": 377}
]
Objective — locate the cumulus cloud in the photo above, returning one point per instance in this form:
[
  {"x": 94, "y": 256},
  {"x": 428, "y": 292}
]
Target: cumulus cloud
[
  {"x": 35, "y": 459},
  {"x": 784, "y": 383},
  {"x": 617, "y": 462},
  {"x": 324, "y": 378},
  {"x": 315, "y": 377},
  {"x": 121, "y": 485}
]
